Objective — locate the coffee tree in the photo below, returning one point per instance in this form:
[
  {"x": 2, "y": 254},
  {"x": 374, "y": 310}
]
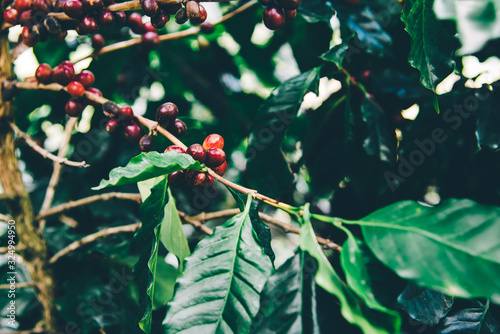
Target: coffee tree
[{"x": 249, "y": 167}]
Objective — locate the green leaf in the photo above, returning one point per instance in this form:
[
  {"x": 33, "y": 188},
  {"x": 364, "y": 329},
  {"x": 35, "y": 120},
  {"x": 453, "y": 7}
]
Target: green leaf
[
  {"x": 433, "y": 42},
  {"x": 336, "y": 54},
  {"x": 267, "y": 169},
  {"x": 477, "y": 21},
  {"x": 152, "y": 211},
  {"x": 476, "y": 318},
  {"x": 171, "y": 233},
  {"x": 164, "y": 284},
  {"x": 352, "y": 308},
  {"x": 261, "y": 229},
  {"x": 288, "y": 301},
  {"x": 452, "y": 247},
  {"x": 220, "y": 289},
  {"x": 147, "y": 166},
  {"x": 316, "y": 11},
  {"x": 356, "y": 264}
]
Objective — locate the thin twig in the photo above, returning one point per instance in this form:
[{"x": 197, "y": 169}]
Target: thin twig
[
  {"x": 196, "y": 223},
  {"x": 43, "y": 152},
  {"x": 56, "y": 173},
  {"x": 18, "y": 285},
  {"x": 18, "y": 248},
  {"x": 93, "y": 237},
  {"x": 88, "y": 200}
]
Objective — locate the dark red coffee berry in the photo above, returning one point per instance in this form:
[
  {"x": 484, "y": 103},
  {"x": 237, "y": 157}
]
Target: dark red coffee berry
[
  {"x": 135, "y": 23},
  {"x": 68, "y": 64},
  {"x": 86, "y": 78},
  {"x": 11, "y": 16},
  {"x": 160, "y": 19},
  {"x": 209, "y": 181},
  {"x": 73, "y": 8},
  {"x": 120, "y": 18},
  {"x": 146, "y": 143},
  {"x": 207, "y": 28},
  {"x": 110, "y": 109},
  {"x": 215, "y": 157},
  {"x": 29, "y": 38},
  {"x": 133, "y": 132},
  {"x": 113, "y": 125},
  {"x": 150, "y": 40},
  {"x": 76, "y": 89},
  {"x": 44, "y": 73},
  {"x": 88, "y": 25},
  {"x": 94, "y": 91},
  {"x": 202, "y": 16},
  {"x": 166, "y": 114},
  {"x": 22, "y": 5},
  {"x": 149, "y": 7},
  {"x": 178, "y": 129},
  {"x": 176, "y": 179},
  {"x": 43, "y": 6},
  {"x": 213, "y": 140},
  {"x": 92, "y": 6},
  {"x": 290, "y": 14},
  {"x": 181, "y": 16},
  {"x": 290, "y": 4},
  {"x": 197, "y": 152},
  {"x": 273, "y": 17},
  {"x": 73, "y": 108},
  {"x": 148, "y": 26},
  {"x": 175, "y": 148},
  {"x": 221, "y": 170},
  {"x": 26, "y": 18},
  {"x": 195, "y": 178},
  {"x": 126, "y": 113},
  {"x": 97, "y": 42},
  {"x": 106, "y": 19}
]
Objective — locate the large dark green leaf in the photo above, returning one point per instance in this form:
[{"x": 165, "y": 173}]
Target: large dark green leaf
[
  {"x": 433, "y": 42},
  {"x": 148, "y": 166},
  {"x": 336, "y": 54},
  {"x": 353, "y": 309},
  {"x": 425, "y": 305},
  {"x": 477, "y": 21},
  {"x": 267, "y": 169},
  {"x": 288, "y": 301},
  {"x": 316, "y": 11},
  {"x": 220, "y": 289},
  {"x": 453, "y": 247},
  {"x": 476, "y": 319}
]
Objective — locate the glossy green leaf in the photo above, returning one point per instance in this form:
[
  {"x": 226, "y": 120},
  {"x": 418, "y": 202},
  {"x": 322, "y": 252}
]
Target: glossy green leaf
[
  {"x": 476, "y": 318},
  {"x": 336, "y": 54},
  {"x": 171, "y": 233},
  {"x": 288, "y": 301},
  {"x": 152, "y": 212},
  {"x": 147, "y": 166},
  {"x": 452, "y": 247},
  {"x": 433, "y": 42},
  {"x": 355, "y": 264},
  {"x": 477, "y": 21},
  {"x": 267, "y": 169},
  {"x": 220, "y": 289},
  {"x": 164, "y": 283},
  {"x": 353, "y": 309}
]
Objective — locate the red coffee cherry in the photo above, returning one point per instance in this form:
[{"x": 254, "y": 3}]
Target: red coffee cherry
[
  {"x": 213, "y": 140},
  {"x": 86, "y": 78},
  {"x": 221, "y": 170},
  {"x": 43, "y": 6},
  {"x": 73, "y": 108},
  {"x": 290, "y": 14},
  {"x": 175, "y": 148},
  {"x": 197, "y": 152},
  {"x": 202, "y": 16},
  {"x": 178, "y": 129},
  {"x": 209, "y": 181},
  {"x": 26, "y": 18},
  {"x": 146, "y": 143},
  {"x": 94, "y": 91},
  {"x": 195, "y": 178},
  {"x": 29, "y": 38},
  {"x": 150, "y": 40},
  {"x": 126, "y": 114},
  {"x": 113, "y": 125},
  {"x": 106, "y": 19},
  {"x": 120, "y": 18},
  {"x": 133, "y": 132},
  {"x": 273, "y": 17},
  {"x": 176, "y": 179},
  {"x": 22, "y": 5},
  {"x": 44, "y": 73},
  {"x": 135, "y": 23},
  {"x": 11, "y": 16},
  {"x": 97, "y": 42},
  {"x": 207, "y": 28},
  {"x": 88, "y": 25},
  {"x": 63, "y": 75},
  {"x": 149, "y": 7},
  {"x": 160, "y": 19},
  {"x": 73, "y": 8},
  {"x": 166, "y": 114},
  {"x": 76, "y": 89},
  {"x": 215, "y": 157}
]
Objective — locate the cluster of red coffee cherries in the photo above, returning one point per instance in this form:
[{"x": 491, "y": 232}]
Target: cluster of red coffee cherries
[
  {"x": 277, "y": 12},
  {"x": 210, "y": 153},
  {"x": 76, "y": 84}
]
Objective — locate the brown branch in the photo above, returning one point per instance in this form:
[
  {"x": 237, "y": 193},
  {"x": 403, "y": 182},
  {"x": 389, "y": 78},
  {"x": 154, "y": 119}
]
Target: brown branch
[
  {"x": 196, "y": 223},
  {"x": 56, "y": 173},
  {"x": 43, "y": 152},
  {"x": 19, "y": 248},
  {"x": 93, "y": 237},
  {"x": 18, "y": 285},
  {"x": 88, "y": 200}
]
